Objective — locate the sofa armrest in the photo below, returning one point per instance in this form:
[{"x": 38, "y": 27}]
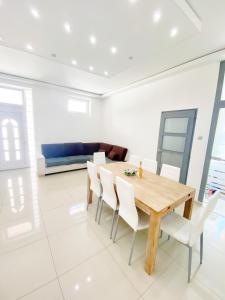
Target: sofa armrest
[{"x": 41, "y": 165}]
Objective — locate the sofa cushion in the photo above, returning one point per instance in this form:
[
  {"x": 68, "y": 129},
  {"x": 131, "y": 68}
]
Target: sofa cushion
[
  {"x": 71, "y": 149},
  {"x": 53, "y": 150},
  {"x": 90, "y": 148},
  {"x": 103, "y": 147},
  {"x": 113, "y": 155},
  {"x": 120, "y": 151},
  {"x": 56, "y": 161},
  {"x": 78, "y": 159}
]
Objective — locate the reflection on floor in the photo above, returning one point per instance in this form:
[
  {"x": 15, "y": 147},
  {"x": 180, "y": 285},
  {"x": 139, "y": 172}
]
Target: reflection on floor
[{"x": 51, "y": 248}]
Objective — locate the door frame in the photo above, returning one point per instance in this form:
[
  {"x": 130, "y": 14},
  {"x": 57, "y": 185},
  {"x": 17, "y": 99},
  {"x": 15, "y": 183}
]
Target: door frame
[
  {"x": 218, "y": 104},
  {"x": 190, "y": 113}
]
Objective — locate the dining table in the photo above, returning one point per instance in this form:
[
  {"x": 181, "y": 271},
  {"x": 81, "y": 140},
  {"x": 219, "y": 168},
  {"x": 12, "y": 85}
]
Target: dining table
[{"x": 155, "y": 195}]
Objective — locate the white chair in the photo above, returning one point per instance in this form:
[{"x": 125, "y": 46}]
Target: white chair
[
  {"x": 95, "y": 185},
  {"x": 99, "y": 158},
  {"x": 149, "y": 165},
  {"x": 128, "y": 211},
  {"x": 134, "y": 160},
  {"x": 188, "y": 231},
  {"x": 108, "y": 195},
  {"x": 170, "y": 172}
]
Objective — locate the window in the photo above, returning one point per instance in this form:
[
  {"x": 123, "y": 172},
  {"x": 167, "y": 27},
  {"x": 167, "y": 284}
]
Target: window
[
  {"x": 11, "y": 96},
  {"x": 79, "y": 106}
]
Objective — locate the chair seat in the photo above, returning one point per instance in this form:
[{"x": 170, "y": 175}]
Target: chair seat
[
  {"x": 176, "y": 226},
  {"x": 143, "y": 220}
]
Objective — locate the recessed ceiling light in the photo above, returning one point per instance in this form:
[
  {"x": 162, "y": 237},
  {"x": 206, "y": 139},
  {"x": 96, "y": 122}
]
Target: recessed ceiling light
[
  {"x": 67, "y": 27},
  {"x": 91, "y": 68},
  {"x": 156, "y": 16},
  {"x": 106, "y": 73},
  {"x": 1, "y": 39},
  {"x": 114, "y": 50},
  {"x": 93, "y": 40},
  {"x": 174, "y": 32},
  {"x": 133, "y": 1},
  {"x": 35, "y": 13},
  {"x": 74, "y": 62},
  {"x": 29, "y": 47}
]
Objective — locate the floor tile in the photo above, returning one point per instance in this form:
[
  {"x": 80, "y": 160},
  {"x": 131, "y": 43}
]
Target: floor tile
[
  {"x": 98, "y": 278},
  {"x": 51, "y": 291},
  {"x": 25, "y": 269},
  {"x": 21, "y": 232},
  {"x": 173, "y": 285},
  {"x": 73, "y": 246},
  {"x": 65, "y": 216}
]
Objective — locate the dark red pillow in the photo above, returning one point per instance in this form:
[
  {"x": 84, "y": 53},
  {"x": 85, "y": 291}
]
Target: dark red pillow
[
  {"x": 101, "y": 150},
  {"x": 105, "y": 147},
  {"x": 113, "y": 155}
]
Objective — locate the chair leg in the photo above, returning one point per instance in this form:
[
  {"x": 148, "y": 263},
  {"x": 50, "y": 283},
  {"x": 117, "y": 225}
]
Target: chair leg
[
  {"x": 117, "y": 222},
  {"x": 132, "y": 248},
  {"x": 96, "y": 214},
  {"x": 168, "y": 237},
  {"x": 161, "y": 234},
  {"x": 113, "y": 221},
  {"x": 189, "y": 263},
  {"x": 201, "y": 248},
  {"x": 100, "y": 213}
]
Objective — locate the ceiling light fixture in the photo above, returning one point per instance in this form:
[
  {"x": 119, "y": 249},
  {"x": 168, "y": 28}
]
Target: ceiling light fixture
[
  {"x": 156, "y": 16},
  {"x": 93, "y": 40},
  {"x": 133, "y": 1},
  {"x": 114, "y": 50},
  {"x": 173, "y": 32},
  {"x": 29, "y": 47},
  {"x": 106, "y": 73},
  {"x": 1, "y": 39},
  {"x": 91, "y": 68},
  {"x": 35, "y": 13},
  {"x": 67, "y": 27},
  {"x": 74, "y": 62}
]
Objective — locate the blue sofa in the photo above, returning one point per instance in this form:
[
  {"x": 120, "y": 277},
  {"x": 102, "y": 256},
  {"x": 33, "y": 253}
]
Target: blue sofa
[{"x": 70, "y": 156}]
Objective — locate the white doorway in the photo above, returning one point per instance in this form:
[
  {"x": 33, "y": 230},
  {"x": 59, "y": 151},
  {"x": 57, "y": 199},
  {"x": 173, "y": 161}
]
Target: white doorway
[{"x": 13, "y": 133}]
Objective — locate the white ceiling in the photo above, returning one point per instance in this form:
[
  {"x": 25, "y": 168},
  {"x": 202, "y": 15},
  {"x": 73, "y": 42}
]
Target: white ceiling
[{"x": 128, "y": 26}]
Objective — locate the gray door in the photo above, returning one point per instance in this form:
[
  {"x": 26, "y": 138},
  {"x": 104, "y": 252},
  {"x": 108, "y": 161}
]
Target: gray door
[{"x": 175, "y": 140}]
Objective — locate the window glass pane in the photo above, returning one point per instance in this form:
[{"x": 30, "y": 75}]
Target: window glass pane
[
  {"x": 223, "y": 91},
  {"x": 5, "y": 145},
  {"x": 219, "y": 140},
  {"x": 17, "y": 144},
  {"x": 174, "y": 143},
  {"x": 80, "y": 106},
  {"x": 6, "y": 154},
  {"x": 173, "y": 159},
  {"x": 176, "y": 125},
  {"x": 15, "y": 132},
  {"x": 11, "y": 96},
  {"x": 4, "y": 132},
  {"x": 18, "y": 156}
]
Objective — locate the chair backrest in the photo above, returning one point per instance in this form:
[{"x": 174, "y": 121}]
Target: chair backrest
[
  {"x": 108, "y": 190},
  {"x": 95, "y": 181},
  {"x": 197, "y": 225},
  {"x": 99, "y": 158},
  {"x": 170, "y": 172},
  {"x": 134, "y": 160},
  {"x": 127, "y": 208},
  {"x": 150, "y": 165}
]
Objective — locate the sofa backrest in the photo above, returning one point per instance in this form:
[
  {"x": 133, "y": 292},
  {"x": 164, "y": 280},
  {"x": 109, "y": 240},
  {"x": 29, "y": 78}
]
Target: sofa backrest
[
  {"x": 120, "y": 151},
  {"x": 62, "y": 150},
  {"x": 103, "y": 147},
  {"x": 90, "y": 148}
]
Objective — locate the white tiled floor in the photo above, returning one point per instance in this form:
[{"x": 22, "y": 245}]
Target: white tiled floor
[{"x": 52, "y": 249}]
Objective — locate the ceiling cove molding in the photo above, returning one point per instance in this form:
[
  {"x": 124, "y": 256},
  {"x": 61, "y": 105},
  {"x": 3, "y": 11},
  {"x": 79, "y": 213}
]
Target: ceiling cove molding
[
  {"x": 190, "y": 13},
  {"x": 214, "y": 56},
  {"x": 36, "y": 82}
]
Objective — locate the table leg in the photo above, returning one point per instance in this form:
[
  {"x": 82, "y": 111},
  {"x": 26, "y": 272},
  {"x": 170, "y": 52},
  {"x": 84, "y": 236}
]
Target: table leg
[
  {"x": 188, "y": 208},
  {"x": 153, "y": 235},
  {"x": 89, "y": 192}
]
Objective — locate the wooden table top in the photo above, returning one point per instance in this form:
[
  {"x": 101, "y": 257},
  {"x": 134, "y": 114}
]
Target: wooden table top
[{"x": 156, "y": 192}]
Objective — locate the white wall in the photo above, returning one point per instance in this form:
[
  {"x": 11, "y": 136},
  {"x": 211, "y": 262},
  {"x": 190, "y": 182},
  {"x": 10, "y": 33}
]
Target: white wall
[
  {"x": 54, "y": 124},
  {"x": 132, "y": 118}
]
